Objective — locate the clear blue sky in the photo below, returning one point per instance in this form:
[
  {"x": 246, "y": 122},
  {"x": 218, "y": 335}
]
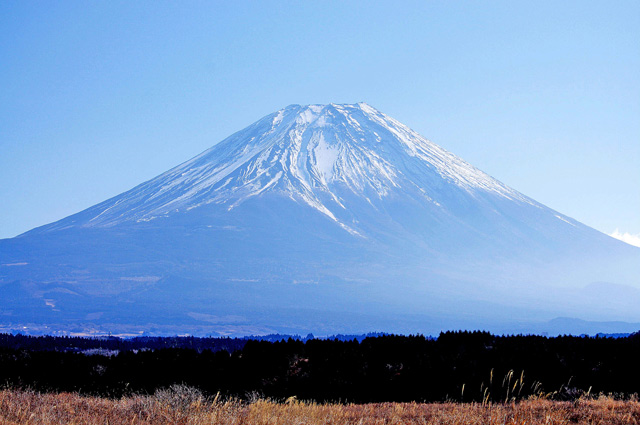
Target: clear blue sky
[{"x": 96, "y": 97}]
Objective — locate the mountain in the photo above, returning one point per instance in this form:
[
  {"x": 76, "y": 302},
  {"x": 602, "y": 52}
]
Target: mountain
[{"x": 320, "y": 218}]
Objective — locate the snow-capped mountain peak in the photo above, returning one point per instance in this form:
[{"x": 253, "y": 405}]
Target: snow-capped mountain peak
[
  {"x": 318, "y": 155},
  {"x": 318, "y": 218}
]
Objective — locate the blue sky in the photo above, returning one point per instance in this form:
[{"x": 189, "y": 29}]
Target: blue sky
[{"x": 97, "y": 97}]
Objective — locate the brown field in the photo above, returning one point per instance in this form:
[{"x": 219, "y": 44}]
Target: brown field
[{"x": 186, "y": 406}]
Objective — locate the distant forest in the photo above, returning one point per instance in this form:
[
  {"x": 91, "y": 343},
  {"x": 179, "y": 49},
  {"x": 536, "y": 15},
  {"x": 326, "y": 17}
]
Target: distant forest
[{"x": 458, "y": 366}]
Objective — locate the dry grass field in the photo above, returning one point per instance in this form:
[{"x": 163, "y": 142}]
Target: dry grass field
[{"x": 185, "y": 406}]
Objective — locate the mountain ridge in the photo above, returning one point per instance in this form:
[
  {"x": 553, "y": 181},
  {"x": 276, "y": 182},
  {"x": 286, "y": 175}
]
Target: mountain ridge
[
  {"x": 318, "y": 218},
  {"x": 302, "y": 172}
]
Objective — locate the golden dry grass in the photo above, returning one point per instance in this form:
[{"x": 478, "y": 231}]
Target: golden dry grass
[{"x": 188, "y": 407}]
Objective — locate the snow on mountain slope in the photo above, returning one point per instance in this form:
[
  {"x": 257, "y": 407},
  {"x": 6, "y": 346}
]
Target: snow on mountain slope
[
  {"x": 311, "y": 154},
  {"x": 322, "y": 218}
]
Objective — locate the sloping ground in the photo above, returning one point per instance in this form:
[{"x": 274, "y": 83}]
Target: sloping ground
[
  {"x": 324, "y": 219},
  {"x": 184, "y": 407}
]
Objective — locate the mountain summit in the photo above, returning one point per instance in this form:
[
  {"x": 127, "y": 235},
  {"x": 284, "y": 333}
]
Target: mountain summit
[
  {"x": 312, "y": 154},
  {"x": 323, "y": 218}
]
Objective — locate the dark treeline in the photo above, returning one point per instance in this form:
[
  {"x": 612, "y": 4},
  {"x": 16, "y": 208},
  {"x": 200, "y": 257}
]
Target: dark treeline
[
  {"x": 112, "y": 343},
  {"x": 457, "y": 366}
]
